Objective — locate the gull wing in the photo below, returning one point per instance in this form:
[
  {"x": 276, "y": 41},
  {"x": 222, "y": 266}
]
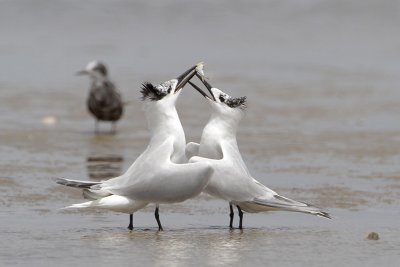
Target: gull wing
[
  {"x": 75, "y": 183},
  {"x": 168, "y": 183},
  {"x": 149, "y": 164},
  {"x": 277, "y": 202}
]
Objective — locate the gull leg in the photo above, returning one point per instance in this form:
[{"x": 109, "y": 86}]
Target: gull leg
[
  {"x": 231, "y": 216},
  {"x": 158, "y": 219},
  {"x": 113, "y": 128},
  {"x": 240, "y": 217},
  {"x": 130, "y": 226},
  {"x": 96, "y": 126}
]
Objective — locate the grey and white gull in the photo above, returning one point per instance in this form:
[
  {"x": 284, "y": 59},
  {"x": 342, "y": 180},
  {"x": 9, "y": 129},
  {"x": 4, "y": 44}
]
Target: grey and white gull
[
  {"x": 232, "y": 180},
  {"x": 104, "y": 101},
  {"x": 161, "y": 173}
]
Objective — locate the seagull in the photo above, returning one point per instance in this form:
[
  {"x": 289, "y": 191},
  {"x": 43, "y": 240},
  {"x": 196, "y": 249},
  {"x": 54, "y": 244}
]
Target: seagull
[
  {"x": 161, "y": 173},
  {"x": 104, "y": 101},
  {"x": 232, "y": 180}
]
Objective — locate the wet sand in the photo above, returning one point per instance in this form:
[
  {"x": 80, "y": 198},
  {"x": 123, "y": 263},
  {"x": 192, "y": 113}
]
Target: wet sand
[{"x": 322, "y": 126}]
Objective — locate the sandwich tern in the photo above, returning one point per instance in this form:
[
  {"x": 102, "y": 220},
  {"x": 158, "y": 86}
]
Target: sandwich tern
[
  {"x": 161, "y": 173},
  {"x": 104, "y": 101},
  {"x": 232, "y": 180}
]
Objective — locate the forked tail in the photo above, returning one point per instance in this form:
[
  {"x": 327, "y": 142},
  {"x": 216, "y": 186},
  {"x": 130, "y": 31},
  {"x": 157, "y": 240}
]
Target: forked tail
[
  {"x": 80, "y": 205},
  {"x": 112, "y": 202},
  {"x": 76, "y": 183},
  {"x": 283, "y": 203}
]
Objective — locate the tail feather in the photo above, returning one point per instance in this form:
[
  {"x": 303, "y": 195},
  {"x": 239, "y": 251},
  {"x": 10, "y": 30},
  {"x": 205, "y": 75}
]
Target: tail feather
[
  {"x": 80, "y": 205},
  {"x": 283, "y": 203},
  {"x": 94, "y": 194},
  {"x": 76, "y": 183},
  {"x": 112, "y": 202}
]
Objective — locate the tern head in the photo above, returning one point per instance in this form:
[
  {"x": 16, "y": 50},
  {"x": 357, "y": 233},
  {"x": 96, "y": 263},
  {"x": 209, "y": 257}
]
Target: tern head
[
  {"x": 168, "y": 91},
  {"x": 222, "y": 103},
  {"x": 159, "y": 105},
  {"x": 95, "y": 69}
]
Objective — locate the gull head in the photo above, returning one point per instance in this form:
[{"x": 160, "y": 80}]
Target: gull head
[
  {"x": 95, "y": 69},
  {"x": 222, "y": 103},
  {"x": 228, "y": 101},
  {"x": 168, "y": 91}
]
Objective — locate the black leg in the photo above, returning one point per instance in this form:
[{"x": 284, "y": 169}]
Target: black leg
[
  {"x": 113, "y": 127},
  {"x": 130, "y": 226},
  {"x": 96, "y": 126},
  {"x": 231, "y": 216},
  {"x": 158, "y": 219},
  {"x": 240, "y": 216}
]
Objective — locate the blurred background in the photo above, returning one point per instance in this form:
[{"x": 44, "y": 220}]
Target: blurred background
[{"x": 322, "y": 126}]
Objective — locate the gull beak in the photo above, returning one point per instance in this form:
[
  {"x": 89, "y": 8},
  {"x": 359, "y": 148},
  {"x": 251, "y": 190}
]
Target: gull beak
[
  {"x": 82, "y": 72},
  {"x": 199, "y": 90},
  {"x": 206, "y": 84},
  {"x": 185, "y": 77}
]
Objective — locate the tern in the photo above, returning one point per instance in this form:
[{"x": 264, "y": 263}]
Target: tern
[
  {"x": 161, "y": 173},
  {"x": 232, "y": 180},
  {"x": 104, "y": 101}
]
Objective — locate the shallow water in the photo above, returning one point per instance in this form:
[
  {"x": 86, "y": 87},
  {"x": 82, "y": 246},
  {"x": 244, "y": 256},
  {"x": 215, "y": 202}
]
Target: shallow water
[{"x": 322, "y": 126}]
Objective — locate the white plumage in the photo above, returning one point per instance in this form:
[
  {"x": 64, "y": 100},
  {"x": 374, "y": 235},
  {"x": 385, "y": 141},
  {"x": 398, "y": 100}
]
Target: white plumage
[
  {"x": 232, "y": 180},
  {"x": 159, "y": 174}
]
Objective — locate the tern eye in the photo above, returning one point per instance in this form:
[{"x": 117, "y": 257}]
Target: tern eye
[{"x": 221, "y": 98}]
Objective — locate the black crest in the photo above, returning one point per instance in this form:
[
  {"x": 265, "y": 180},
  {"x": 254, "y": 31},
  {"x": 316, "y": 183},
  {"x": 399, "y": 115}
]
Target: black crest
[
  {"x": 234, "y": 102},
  {"x": 149, "y": 91}
]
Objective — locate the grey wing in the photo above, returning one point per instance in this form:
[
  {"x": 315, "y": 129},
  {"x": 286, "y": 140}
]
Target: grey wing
[
  {"x": 194, "y": 177},
  {"x": 173, "y": 183},
  {"x": 105, "y": 102},
  {"x": 282, "y": 203},
  {"x": 76, "y": 183}
]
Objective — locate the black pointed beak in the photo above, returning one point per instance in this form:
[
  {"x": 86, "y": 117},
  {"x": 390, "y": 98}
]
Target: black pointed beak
[
  {"x": 82, "y": 72},
  {"x": 185, "y": 77},
  {"x": 206, "y": 84},
  {"x": 199, "y": 90}
]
